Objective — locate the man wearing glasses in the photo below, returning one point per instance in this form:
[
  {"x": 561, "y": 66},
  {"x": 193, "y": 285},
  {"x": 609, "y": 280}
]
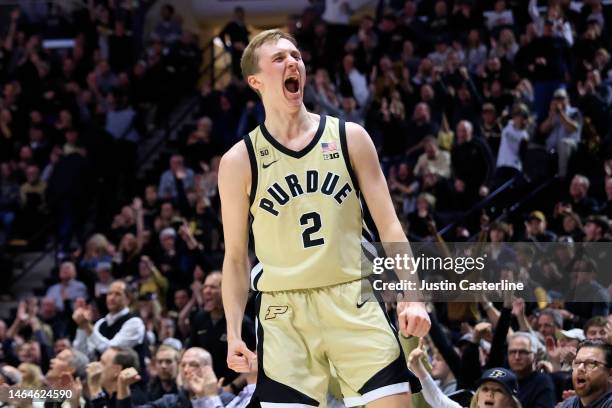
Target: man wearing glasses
[
  {"x": 536, "y": 390},
  {"x": 592, "y": 376}
]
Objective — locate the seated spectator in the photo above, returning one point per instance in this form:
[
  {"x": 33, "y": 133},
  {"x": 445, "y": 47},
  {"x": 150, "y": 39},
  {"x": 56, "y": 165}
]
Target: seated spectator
[
  {"x": 102, "y": 377},
  {"x": 31, "y": 376},
  {"x": 163, "y": 382},
  {"x": 208, "y": 328},
  {"x": 562, "y": 354},
  {"x": 420, "y": 220},
  {"x": 497, "y": 387},
  {"x": 549, "y": 322},
  {"x": 434, "y": 158},
  {"x": 440, "y": 188},
  {"x": 535, "y": 389},
  {"x": 589, "y": 297},
  {"x": 500, "y": 16},
  {"x": 66, "y": 368},
  {"x": 591, "y": 376},
  {"x": 562, "y": 128},
  {"x": 442, "y": 374},
  {"x": 196, "y": 376},
  {"x": 402, "y": 187},
  {"x": 97, "y": 250},
  {"x": 598, "y": 328},
  {"x": 68, "y": 288},
  {"x": 536, "y": 228},
  {"x": 579, "y": 201},
  {"x": 50, "y": 316},
  {"x": 420, "y": 126},
  {"x": 490, "y": 127},
  {"x": 596, "y": 228}
]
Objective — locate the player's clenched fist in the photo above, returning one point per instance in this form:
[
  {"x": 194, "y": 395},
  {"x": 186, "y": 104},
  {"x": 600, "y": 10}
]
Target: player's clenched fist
[
  {"x": 240, "y": 358},
  {"x": 413, "y": 319}
]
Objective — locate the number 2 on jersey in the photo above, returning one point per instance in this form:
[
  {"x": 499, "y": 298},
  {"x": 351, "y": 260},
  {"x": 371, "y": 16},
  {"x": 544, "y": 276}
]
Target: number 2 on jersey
[{"x": 305, "y": 219}]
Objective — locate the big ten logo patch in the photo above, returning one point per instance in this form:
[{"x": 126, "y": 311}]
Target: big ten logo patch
[
  {"x": 274, "y": 311},
  {"x": 331, "y": 156}
]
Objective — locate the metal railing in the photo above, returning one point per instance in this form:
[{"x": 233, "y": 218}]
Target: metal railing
[{"x": 481, "y": 204}]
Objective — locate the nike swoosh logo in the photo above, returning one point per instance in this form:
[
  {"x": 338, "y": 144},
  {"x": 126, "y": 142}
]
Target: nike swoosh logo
[
  {"x": 266, "y": 165},
  {"x": 360, "y": 305}
]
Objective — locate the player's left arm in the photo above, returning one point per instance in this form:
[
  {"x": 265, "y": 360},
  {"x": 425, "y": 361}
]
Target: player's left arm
[{"x": 413, "y": 317}]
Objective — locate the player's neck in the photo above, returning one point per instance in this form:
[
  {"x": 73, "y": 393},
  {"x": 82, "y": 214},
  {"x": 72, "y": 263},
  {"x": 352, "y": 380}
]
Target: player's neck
[{"x": 288, "y": 125}]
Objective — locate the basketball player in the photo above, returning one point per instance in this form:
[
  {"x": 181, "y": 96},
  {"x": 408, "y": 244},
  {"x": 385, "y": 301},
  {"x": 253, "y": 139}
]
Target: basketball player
[{"x": 298, "y": 178}]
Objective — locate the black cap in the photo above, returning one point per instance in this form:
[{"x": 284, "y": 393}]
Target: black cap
[
  {"x": 502, "y": 376},
  {"x": 599, "y": 220}
]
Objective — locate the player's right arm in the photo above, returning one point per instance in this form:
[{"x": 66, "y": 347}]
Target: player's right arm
[{"x": 234, "y": 185}]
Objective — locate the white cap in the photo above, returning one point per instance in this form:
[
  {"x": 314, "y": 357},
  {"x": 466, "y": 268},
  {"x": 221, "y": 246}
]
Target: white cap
[{"x": 575, "y": 334}]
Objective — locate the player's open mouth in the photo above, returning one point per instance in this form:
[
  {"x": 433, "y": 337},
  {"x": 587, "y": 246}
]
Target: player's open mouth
[
  {"x": 292, "y": 85},
  {"x": 580, "y": 382},
  {"x": 489, "y": 403}
]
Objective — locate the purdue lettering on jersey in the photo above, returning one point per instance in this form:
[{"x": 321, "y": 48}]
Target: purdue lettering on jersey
[
  {"x": 312, "y": 182},
  {"x": 306, "y": 212}
]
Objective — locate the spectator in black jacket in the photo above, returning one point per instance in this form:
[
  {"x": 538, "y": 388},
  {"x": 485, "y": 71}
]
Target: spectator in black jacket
[
  {"x": 197, "y": 377},
  {"x": 472, "y": 164},
  {"x": 536, "y": 390},
  {"x": 238, "y": 38},
  {"x": 166, "y": 364},
  {"x": 102, "y": 377},
  {"x": 209, "y": 329}
]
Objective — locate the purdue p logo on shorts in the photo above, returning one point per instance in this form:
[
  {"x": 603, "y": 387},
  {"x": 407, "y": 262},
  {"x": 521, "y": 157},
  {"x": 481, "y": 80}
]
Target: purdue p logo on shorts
[{"x": 273, "y": 311}]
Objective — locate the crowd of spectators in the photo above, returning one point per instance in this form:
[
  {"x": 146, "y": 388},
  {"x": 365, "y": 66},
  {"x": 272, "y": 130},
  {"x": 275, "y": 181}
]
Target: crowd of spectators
[{"x": 473, "y": 106}]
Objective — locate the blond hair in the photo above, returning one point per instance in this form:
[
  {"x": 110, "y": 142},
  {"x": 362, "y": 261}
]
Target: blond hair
[
  {"x": 249, "y": 62},
  {"x": 474, "y": 402}
]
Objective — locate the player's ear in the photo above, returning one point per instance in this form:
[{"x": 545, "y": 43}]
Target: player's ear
[{"x": 254, "y": 82}]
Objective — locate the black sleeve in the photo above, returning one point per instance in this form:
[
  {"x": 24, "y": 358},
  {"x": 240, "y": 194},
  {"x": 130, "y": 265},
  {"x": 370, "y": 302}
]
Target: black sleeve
[
  {"x": 100, "y": 402},
  {"x": 498, "y": 347},
  {"x": 444, "y": 347},
  {"x": 470, "y": 367}
]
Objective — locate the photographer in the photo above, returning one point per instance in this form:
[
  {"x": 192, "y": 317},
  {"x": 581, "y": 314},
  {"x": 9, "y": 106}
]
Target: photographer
[{"x": 562, "y": 128}]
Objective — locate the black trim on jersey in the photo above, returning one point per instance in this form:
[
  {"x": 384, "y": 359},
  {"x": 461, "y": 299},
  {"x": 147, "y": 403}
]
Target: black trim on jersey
[
  {"x": 290, "y": 152},
  {"x": 369, "y": 221},
  {"x": 397, "y": 371},
  {"x": 345, "y": 153},
  {"x": 268, "y": 390},
  {"x": 256, "y": 280},
  {"x": 253, "y": 160}
]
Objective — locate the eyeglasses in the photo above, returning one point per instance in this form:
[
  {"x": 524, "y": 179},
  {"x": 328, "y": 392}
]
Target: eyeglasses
[
  {"x": 589, "y": 365},
  {"x": 521, "y": 353}
]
